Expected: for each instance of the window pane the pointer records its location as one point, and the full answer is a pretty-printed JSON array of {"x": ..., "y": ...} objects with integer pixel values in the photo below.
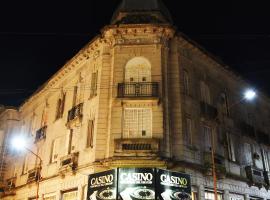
[
  {"x": 137, "y": 123},
  {"x": 70, "y": 195}
]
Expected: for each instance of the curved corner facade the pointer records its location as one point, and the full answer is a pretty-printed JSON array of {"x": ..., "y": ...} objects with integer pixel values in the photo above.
[{"x": 139, "y": 95}]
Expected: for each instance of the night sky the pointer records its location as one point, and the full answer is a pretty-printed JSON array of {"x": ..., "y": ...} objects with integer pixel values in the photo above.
[{"x": 39, "y": 37}]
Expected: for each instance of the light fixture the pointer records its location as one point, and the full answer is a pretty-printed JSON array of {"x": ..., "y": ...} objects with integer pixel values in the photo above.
[
  {"x": 249, "y": 94},
  {"x": 18, "y": 143}
]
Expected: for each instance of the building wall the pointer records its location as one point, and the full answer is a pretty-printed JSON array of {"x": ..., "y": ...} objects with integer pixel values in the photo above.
[{"x": 170, "y": 56}]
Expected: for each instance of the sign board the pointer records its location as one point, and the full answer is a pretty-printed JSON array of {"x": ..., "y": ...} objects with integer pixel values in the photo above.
[
  {"x": 139, "y": 184},
  {"x": 136, "y": 184},
  {"x": 173, "y": 185},
  {"x": 102, "y": 186}
]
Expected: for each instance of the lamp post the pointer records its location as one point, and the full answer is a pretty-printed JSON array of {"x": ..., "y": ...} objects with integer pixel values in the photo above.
[
  {"x": 19, "y": 143},
  {"x": 249, "y": 95}
]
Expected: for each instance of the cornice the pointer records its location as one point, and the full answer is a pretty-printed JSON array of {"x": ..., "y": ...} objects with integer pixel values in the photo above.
[
  {"x": 215, "y": 62},
  {"x": 90, "y": 51}
]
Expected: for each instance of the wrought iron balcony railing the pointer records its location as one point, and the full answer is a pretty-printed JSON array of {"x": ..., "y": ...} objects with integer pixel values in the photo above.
[
  {"x": 75, "y": 112},
  {"x": 143, "y": 89},
  {"x": 41, "y": 134}
]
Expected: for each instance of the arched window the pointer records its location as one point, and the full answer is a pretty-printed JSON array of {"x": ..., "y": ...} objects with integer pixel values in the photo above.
[{"x": 138, "y": 69}]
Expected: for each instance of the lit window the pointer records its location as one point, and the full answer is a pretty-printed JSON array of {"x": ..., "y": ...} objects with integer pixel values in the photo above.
[
  {"x": 209, "y": 195},
  {"x": 72, "y": 195},
  {"x": 137, "y": 122}
]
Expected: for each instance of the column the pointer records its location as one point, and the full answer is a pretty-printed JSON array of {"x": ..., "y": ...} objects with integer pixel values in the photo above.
[{"x": 201, "y": 192}]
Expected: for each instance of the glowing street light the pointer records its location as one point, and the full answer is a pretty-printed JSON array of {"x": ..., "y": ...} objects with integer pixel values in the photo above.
[
  {"x": 19, "y": 143},
  {"x": 250, "y": 94}
]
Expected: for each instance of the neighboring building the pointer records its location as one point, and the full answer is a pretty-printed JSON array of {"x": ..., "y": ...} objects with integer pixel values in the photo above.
[{"x": 140, "y": 95}]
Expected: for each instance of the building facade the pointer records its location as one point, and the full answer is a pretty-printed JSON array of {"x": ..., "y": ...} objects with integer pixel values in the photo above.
[{"x": 140, "y": 94}]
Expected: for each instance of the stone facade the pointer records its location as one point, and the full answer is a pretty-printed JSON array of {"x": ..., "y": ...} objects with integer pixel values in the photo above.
[{"x": 139, "y": 95}]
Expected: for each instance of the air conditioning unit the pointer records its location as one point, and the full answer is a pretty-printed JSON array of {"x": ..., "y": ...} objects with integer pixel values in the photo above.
[
  {"x": 33, "y": 175},
  {"x": 69, "y": 162},
  {"x": 255, "y": 176}
]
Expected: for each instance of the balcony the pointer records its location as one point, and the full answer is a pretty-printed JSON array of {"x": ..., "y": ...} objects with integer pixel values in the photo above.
[
  {"x": 134, "y": 90},
  {"x": 208, "y": 111},
  {"x": 247, "y": 130},
  {"x": 41, "y": 134},
  {"x": 69, "y": 162},
  {"x": 255, "y": 176},
  {"x": 75, "y": 114},
  {"x": 136, "y": 147},
  {"x": 219, "y": 165},
  {"x": 33, "y": 175}
]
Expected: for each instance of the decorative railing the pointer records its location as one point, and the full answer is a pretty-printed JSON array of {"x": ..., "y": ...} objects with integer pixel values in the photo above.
[
  {"x": 75, "y": 112},
  {"x": 69, "y": 162},
  {"x": 208, "y": 111},
  {"x": 136, "y": 145},
  {"x": 41, "y": 133},
  {"x": 255, "y": 176},
  {"x": 143, "y": 89},
  {"x": 33, "y": 175}
]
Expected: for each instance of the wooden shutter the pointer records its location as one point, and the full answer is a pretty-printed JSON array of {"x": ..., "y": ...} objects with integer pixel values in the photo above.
[{"x": 90, "y": 133}]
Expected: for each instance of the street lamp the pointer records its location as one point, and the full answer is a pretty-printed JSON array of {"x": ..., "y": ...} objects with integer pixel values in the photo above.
[
  {"x": 249, "y": 95},
  {"x": 19, "y": 143}
]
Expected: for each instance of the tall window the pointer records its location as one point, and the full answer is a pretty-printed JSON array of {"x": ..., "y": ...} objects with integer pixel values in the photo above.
[
  {"x": 248, "y": 153},
  {"x": 60, "y": 107},
  {"x": 205, "y": 93},
  {"x": 207, "y": 137},
  {"x": 138, "y": 69},
  {"x": 188, "y": 131},
  {"x": 137, "y": 123},
  {"x": 75, "y": 93},
  {"x": 25, "y": 165},
  {"x": 54, "y": 150},
  {"x": 225, "y": 103},
  {"x": 265, "y": 160},
  {"x": 231, "y": 148},
  {"x": 90, "y": 133},
  {"x": 94, "y": 81},
  {"x": 69, "y": 141},
  {"x": 186, "y": 82}
]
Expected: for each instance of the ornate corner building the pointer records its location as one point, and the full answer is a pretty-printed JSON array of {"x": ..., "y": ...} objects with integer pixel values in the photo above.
[{"x": 140, "y": 94}]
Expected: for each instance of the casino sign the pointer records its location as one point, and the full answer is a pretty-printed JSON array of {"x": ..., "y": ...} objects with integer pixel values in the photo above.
[{"x": 139, "y": 184}]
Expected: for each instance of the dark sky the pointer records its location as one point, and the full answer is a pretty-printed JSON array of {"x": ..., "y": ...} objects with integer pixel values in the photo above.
[{"x": 38, "y": 37}]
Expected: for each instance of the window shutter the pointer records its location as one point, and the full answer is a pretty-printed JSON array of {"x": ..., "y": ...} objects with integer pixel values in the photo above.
[
  {"x": 94, "y": 84},
  {"x": 90, "y": 133}
]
